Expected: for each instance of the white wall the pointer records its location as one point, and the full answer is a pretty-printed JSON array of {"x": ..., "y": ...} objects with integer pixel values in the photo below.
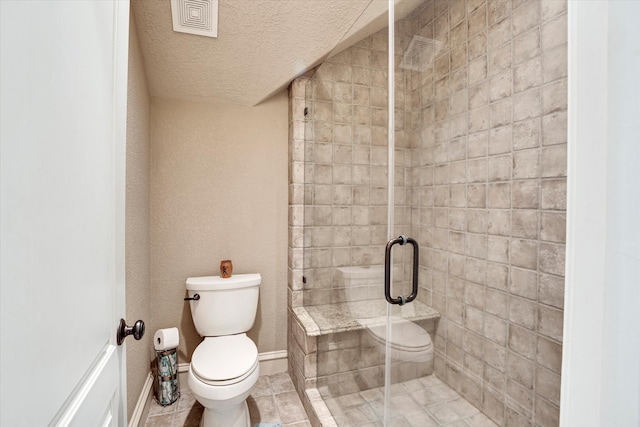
[{"x": 601, "y": 363}]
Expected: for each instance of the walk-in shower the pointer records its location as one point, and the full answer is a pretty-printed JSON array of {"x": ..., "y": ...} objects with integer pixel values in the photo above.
[{"x": 478, "y": 181}]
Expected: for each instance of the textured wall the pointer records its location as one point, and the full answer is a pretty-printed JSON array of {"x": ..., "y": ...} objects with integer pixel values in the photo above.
[
  {"x": 492, "y": 166},
  {"x": 137, "y": 219},
  {"x": 219, "y": 191}
]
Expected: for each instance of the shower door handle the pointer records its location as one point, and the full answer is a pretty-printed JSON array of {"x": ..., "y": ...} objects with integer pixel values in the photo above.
[{"x": 402, "y": 300}]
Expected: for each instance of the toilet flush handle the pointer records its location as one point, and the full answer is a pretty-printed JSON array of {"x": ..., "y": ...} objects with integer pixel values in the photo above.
[{"x": 195, "y": 297}]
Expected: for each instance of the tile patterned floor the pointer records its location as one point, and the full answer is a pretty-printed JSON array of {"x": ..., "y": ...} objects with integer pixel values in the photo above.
[
  {"x": 273, "y": 400},
  {"x": 423, "y": 402}
]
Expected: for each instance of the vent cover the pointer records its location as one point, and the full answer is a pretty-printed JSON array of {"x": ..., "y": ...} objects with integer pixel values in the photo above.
[
  {"x": 198, "y": 17},
  {"x": 420, "y": 53}
]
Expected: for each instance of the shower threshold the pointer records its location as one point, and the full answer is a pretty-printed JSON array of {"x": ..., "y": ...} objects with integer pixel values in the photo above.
[{"x": 421, "y": 402}]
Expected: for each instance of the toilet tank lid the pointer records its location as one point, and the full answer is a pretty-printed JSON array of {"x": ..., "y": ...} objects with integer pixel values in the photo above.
[{"x": 216, "y": 283}]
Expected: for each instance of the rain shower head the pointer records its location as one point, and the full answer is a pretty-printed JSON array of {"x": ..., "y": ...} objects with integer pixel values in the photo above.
[{"x": 420, "y": 53}]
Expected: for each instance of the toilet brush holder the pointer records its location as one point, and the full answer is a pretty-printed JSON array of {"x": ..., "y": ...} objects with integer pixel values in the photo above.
[{"x": 166, "y": 385}]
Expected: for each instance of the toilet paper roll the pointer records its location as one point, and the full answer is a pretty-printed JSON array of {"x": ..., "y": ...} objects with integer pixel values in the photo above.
[{"x": 165, "y": 339}]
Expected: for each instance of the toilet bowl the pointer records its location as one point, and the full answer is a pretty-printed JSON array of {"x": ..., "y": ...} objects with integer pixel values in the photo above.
[
  {"x": 222, "y": 372},
  {"x": 409, "y": 342},
  {"x": 224, "y": 367}
]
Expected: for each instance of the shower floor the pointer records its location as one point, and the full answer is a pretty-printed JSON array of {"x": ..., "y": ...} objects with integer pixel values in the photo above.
[{"x": 422, "y": 402}]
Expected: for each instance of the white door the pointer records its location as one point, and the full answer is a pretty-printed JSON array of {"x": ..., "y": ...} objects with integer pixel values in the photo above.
[{"x": 62, "y": 144}]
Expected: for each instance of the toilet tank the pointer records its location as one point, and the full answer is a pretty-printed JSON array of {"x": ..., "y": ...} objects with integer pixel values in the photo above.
[{"x": 226, "y": 306}]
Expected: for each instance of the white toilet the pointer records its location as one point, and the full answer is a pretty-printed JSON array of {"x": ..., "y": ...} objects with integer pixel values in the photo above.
[
  {"x": 409, "y": 341},
  {"x": 224, "y": 367}
]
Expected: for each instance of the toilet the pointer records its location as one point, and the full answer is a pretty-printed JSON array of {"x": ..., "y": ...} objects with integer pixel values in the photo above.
[
  {"x": 409, "y": 342},
  {"x": 224, "y": 367}
]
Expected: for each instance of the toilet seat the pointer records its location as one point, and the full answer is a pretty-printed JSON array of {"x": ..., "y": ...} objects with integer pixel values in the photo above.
[
  {"x": 225, "y": 360},
  {"x": 406, "y": 336}
]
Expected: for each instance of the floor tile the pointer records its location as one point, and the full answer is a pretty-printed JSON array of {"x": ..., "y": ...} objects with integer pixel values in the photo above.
[
  {"x": 165, "y": 420},
  {"x": 290, "y": 407},
  {"x": 281, "y": 383},
  {"x": 263, "y": 406},
  {"x": 262, "y": 409},
  {"x": 426, "y": 402}
]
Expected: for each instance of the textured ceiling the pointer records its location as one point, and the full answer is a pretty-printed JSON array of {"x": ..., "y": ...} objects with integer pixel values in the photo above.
[{"x": 262, "y": 45}]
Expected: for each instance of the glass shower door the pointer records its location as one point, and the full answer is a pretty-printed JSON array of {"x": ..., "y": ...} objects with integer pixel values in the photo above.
[{"x": 410, "y": 320}]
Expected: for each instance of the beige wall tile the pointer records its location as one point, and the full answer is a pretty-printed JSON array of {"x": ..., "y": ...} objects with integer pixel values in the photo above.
[
  {"x": 526, "y": 194},
  {"x": 546, "y": 413},
  {"x": 526, "y": 105},
  {"x": 549, "y": 354},
  {"x": 552, "y": 258},
  {"x": 522, "y": 341},
  {"x": 553, "y": 227},
  {"x": 500, "y": 86},
  {"x": 498, "y": 10},
  {"x": 520, "y": 370},
  {"x": 522, "y": 312},
  {"x": 525, "y": 164},
  {"x": 554, "y": 128},
  {"x": 519, "y": 397},
  {"x": 499, "y": 195},
  {"x": 548, "y": 385},
  {"x": 477, "y": 21},
  {"x": 477, "y": 198},
  {"x": 554, "y": 63},
  {"x": 499, "y": 222},
  {"x": 497, "y": 274},
  {"x": 495, "y": 329},
  {"x": 551, "y": 8},
  {"x": 554, "y": 32},
  {"x": 498, "y": 249},
  {"x": 524, "y": 283},
  {"x": 551, "y": 290},
  {"x": 526, "y": 134},
  {"x": 554, "y": 97},
  {"x": 500, "y": 113},
  {"x": 554, "y": 194},
  {"x": 499, "y": 168},
  {"x": 476, "y": 219},
  {"x": 550, "y": 322},
  {"x": 554, "y": 161},
  {"x": 477, "y": 47},
  {"x": 526, "y": 46},
  {"x": 526, "y": 17},
  {"x": 524, "y": 223},
  {"x": 524, "y": 253},
  {"x": 528, "y": 74}
]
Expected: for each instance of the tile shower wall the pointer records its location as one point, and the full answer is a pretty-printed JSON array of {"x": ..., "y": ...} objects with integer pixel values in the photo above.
[
  {"x": 345, "y": 170},
  {"x": 482, "y": 168},
  {"x": 489, "y": 182}
]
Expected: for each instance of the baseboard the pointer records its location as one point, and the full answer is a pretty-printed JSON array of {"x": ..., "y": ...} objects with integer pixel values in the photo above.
[
  {"x": 141, "y": 405},
  {"x": 271, "y": 362}
]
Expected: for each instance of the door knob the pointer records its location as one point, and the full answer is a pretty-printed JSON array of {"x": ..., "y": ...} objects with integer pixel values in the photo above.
[{"x": 137, "y": 330}]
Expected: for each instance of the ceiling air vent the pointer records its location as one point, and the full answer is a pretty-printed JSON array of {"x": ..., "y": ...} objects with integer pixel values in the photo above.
[{"x": 198, "y": 17}]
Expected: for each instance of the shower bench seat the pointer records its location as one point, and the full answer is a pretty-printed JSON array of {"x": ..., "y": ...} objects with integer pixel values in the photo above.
[
  {"x": 332, "y": 352},
  {"x": 326, "y": 319}
]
